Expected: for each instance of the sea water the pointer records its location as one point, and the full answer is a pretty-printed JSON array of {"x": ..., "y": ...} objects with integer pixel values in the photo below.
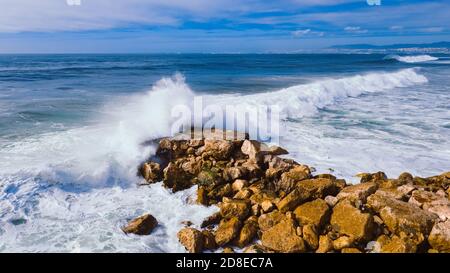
[{"x": 73, "y": 128}]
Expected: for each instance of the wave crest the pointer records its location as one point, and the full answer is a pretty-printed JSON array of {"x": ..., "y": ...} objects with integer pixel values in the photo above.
[{"x": 412, "y": 59}]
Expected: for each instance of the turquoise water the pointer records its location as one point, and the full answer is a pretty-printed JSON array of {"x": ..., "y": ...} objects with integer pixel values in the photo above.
[{"x": 71, "y": 129}]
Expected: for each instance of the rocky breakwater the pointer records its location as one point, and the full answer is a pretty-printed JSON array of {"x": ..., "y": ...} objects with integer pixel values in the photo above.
[{"x": 273, "y": 204}]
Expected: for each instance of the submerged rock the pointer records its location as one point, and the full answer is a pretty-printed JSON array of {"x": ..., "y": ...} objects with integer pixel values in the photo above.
[{"x": 142, "y": 225}]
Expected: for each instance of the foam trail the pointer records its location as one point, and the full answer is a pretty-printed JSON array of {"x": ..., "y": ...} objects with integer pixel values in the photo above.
[
  {"x": 412, "y": 59},
  {"x": 306, "y": 99}
]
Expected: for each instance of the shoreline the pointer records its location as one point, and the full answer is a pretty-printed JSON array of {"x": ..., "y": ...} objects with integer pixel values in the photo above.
[{"x": 272, "y": 204}]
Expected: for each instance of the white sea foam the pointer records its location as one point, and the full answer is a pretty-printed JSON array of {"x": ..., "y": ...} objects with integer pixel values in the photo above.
[
  {"x": 75, "y": 188},
  {"x": 412, "y": 59}
]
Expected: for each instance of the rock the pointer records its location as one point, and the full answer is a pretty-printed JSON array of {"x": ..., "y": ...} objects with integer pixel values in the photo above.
[
  {"x": 211, "y": 220},
  {"x": 290, "y": 179},
  {"x": 406, "y": 177},
  {"x": 254, "y": 149},
  {"x": 228, "y": 250},
  {"x": 209, "y": 241},
  {"x": 256, "y": 210},
  {"x": 293, "y": 199},
  {"x": 358, "y": 192},
  {"x": 176, "y": 178},
  {"x": 219, "y": 192},
  {"x": 315, "y": 212},
  {"x": 400, "y": 216},
  {"x": 239, "y": 184},
  {"x": 276, "y": 150},
  {"x": 311, "y": 236},
  {"x": 262, "y": 196},
  {"x": 331, "y": 200},
  {"x": 192, "y": 165},
  {"x": 235, "y": 208},
  {"x": 142, "y": 225},
  {"x": 267, "y": 206},
  {"x": 397, "y": 245},
  {"x": 191, "y": 239},
  {"x": 348, "y": 220},
  {"x": 151, "y": 172},
  {"x": 426, "y": 199},
  {"x": 257, "y": 248},
  {"x": 253, "y": 169},
  {"x": 342, "y": 242},
  {"x": 202, "y": 198},
  {"x": 209, "y": 179},
  {"x": 248, "y": 232},
  {"x": 268, "y": 220},
  {"x": 228, "y": 230},
  {"x": 186, "y": 223},
  {"x": 243, "y": 194},
  {"x": 283, "y": 238},
  {"x": 439, "y": 237},
  {"x": 350, "y": 250},
  {"x": 319, "y": 188},
  {"x": 218, "y": 149},
  {"x": 325, "y": 244},
  {"x": 233, "y": 173}
]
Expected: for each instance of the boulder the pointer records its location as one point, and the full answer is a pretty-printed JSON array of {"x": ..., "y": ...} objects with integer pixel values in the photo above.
[
  {"x": 290, "y": 179},
  {"x": 228, "y": 230},
  {"x": 233, "y": 173},
  {"x": 209, "y": 241},
  {"x": 257, "y": 248},
  {"x": 211, "y": 220},
  {"x": 293, "y": 199},
  {"x": 254, "y": 149},
  {"x": 268, "y": 220},
  {"x": 228, "y": 250},
  {"x": 342, "y": 242},
  {"x": 331, "y": 200},
  {"x": 358, "y": 192},
  {"x": 283, "y": 238},
  {"x": 319, "y": 188},
  {"x": 400, "y": 216},
  {"x": 151, "y": 172},
  {"x": 191, "y": 239},
  {"x": 311, "y": 237},
  {"x": 239, "y": 184},
  {"x": 218, "y": 149},
  {"x": 209, "y": 178},
  {"x": 202, "y": 198},
  {"x": 235, "y": 208},
  {"x": 325, "y": 244},
  {"x": 142, "y": 225},
  {"x": 248, "y": 232},
  {"x": 398, "y": 245},
  {"x": 176, "y": 178},
  {"x": 243, "y": 194},
  {"x": 350, "y": 221},
  {"x": 315, "y": 212},
  {"x": 439, "y": 237},
  {"x": 350, "y": 250}
]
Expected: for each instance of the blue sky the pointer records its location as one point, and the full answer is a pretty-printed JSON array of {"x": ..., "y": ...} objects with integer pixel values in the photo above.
[{"x": 62, "y": 26}]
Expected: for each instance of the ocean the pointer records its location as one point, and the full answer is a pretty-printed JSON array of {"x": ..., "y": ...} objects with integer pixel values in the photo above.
[{"x": 72, "y": 129}]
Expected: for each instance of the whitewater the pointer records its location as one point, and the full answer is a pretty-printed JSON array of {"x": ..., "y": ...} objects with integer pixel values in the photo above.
[{"x": 71, "y": 190}]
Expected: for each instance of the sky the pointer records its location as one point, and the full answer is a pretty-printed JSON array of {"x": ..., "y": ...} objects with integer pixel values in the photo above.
[{"x": 215, "y": 26}]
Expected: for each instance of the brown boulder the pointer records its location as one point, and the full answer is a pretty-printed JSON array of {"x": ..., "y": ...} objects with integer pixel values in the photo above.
[
  {"x": 358, "y": 192},
  {"x": 439, "y": 237},
  {"x": 257, "y": 248},
  {"x": 209, "y": 241},
  {"x": 268, "y": 220},
  {"x": 293, "y": 199},
  {"x": 325, "y": 244},
  {"x": 248, "y": 232},
  {"x": 233, "y": 173},
  {"x": 211, "y": 220},
  {"x": 235, "y": 208},
  {"x": 290, "y": 179},
  {"x": 348, "y": 220},
  {"x": 239, "y": 184},
  {"x": 319, "y": 188},
  {"x": 350, "y": 250},
  {"x": 400, "y": 216},
  {"x": 228, "y": 230},
  {"x": 315, "y": 212},
  {"x": 311, "y": 237},
  {"x": 151, "y": 172},
  {"x": 191, "y": 239},
  {"x": 218, "y": 149},
  {"x": 283, "y": 238},
  {"x": 142, "y": 225},
  {"x": 342, "y": 242},
  {"x": 398, "y": 245},
  {"x": 176, "y": 178}
]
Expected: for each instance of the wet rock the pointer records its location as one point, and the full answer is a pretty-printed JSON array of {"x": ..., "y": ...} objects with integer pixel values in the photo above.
[
  {"x": 202, "y": 198},
  {"x": 358, "y": 192},
  {"x": 151, "y": 172},
  {"x": 142, "y": 225},
  {"x": 268, "y": 220},
  {"x": 290, "y": 179},
  {"x": 400, "y": 216},
  {"x": 310, "y": 236},
  {"x": 315, "y": 212},
  {"x": 211, "y": 220},
  {"x": 325, "y": 244},
  {"x": 209, "y": 241},
  {"x": 176, "y": 178},
  {"x": 348, "y": 220},
  {"x": 248, "y": 232},
  {"x": 439, "y": 237},
  {"x": 228, "y": 230},
  {"x": 283, "y": 238},
  {"x": 191, "y": 239},
  {"x": 235, "y": 208}
]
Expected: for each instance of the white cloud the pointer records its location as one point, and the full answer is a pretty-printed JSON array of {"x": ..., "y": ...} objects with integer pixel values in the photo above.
[
  {"x": 357, "y": 30},
  {"x": 307, "y": 32}
]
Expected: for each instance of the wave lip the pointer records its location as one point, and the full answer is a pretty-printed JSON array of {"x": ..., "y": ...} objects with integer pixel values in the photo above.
[
  {"x": 412, "y": 59},
  {"x": 306, "y": 99}
]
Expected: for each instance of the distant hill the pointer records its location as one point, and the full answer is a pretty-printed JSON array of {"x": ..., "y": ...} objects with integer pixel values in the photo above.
[{"x": 393, "y": 46}]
